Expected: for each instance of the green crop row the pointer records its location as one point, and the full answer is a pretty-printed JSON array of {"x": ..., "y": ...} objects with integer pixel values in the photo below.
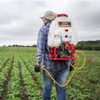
[{"x": 85, "y": 84}]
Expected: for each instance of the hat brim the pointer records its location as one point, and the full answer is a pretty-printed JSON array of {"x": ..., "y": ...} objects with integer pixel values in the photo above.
[{"x": 43, "y": 17}]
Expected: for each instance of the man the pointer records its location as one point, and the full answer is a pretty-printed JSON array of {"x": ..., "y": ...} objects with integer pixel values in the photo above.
[{"x": 59, "y": 70}]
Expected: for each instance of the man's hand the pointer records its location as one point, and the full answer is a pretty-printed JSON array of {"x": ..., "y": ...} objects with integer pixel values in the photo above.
[{"x": 37, "y": 68}]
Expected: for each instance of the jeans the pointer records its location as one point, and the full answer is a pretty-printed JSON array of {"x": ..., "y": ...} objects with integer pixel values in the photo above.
[{"x": 60, "y": 77}]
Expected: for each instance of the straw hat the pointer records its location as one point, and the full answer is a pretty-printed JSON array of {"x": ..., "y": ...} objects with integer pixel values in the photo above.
[{"x": 50, "y": 15}]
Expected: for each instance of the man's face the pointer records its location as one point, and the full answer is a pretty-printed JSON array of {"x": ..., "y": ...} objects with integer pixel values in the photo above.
[{"x": 45, "y": 21}]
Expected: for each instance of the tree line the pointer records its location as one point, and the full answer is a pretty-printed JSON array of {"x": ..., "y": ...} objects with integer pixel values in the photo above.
[
  {"x": 82, "y": 45},
  {"x": 89, "y": 45}
]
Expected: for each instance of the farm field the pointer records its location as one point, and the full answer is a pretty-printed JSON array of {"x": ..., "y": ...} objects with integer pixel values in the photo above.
[{"x": 18, "y": 81}]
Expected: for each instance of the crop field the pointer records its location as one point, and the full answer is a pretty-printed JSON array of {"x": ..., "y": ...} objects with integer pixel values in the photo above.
[{"x": 18, "y": 81}]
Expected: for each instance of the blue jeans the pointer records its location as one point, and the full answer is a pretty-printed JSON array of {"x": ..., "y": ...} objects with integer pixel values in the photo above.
[{"x": 60, "y": 77}]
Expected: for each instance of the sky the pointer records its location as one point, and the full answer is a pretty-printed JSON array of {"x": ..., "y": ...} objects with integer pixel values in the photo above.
[{"x": 20, "y": 19}]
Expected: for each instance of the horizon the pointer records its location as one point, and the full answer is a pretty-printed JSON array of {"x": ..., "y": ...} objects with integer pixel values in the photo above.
[{"x": 36, "y": 44}]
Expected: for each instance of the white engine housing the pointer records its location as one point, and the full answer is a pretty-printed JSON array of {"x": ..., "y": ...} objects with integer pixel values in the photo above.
[{"x": 57, "y": 34}]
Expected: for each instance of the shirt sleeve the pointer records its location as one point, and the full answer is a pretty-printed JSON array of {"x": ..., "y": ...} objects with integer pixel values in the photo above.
[{"x": 41, "y": 42}]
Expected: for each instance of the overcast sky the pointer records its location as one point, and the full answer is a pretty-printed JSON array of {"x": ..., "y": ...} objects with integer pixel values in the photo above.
[{"x": 20, "y": 19}]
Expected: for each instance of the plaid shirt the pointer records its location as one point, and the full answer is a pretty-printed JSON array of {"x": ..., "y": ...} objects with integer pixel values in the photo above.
[{"x": 42, "y": 43}]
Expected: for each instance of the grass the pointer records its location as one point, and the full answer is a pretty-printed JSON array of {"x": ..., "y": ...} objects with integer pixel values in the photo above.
[{"x": 18, "y": 81}]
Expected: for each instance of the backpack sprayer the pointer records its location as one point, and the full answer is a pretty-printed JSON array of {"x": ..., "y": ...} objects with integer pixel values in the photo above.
[{"x": 61, "y": 45}]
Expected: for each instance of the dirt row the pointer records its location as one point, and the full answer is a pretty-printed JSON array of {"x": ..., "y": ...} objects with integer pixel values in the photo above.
[{"x": 23, "y": 90}]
